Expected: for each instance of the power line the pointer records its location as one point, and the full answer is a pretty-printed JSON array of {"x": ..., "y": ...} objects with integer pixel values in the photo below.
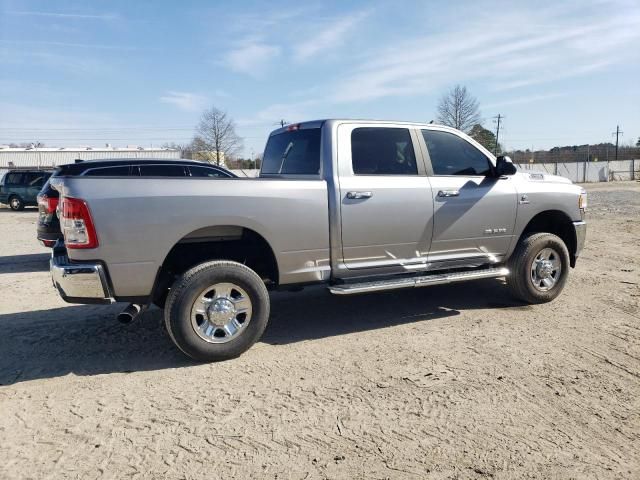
[
  {"x": 495, "y": 150},
  {"x": 617, "y": 133}
]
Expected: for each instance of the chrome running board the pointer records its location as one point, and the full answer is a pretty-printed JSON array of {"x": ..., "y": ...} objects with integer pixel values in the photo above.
[{"x": 421, "y": 281}]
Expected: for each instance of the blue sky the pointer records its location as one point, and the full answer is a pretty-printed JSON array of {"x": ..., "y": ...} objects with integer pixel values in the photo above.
[{"x": 141, "y": 72}]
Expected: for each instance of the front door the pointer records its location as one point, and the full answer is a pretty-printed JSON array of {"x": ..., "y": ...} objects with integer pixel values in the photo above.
[
  {"x": 385, "y": 199},
  {"x": 474, "y": 211}
]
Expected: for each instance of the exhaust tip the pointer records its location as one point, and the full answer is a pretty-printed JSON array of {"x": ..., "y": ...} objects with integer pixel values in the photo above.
[{"x": 129, "y": 314}]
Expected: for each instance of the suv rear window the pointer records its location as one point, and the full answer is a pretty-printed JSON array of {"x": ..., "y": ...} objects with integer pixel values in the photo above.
[{"x": 296, "y": 152}]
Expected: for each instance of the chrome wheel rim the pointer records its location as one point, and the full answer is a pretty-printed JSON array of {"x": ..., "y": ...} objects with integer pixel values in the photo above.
[
  {"x": 221, "y": 312},
  {"x": 15, "y": 203},
  {"x": 546, "y": 268}
]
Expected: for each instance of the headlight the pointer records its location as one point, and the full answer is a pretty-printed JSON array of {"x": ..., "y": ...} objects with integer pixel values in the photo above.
[{"x": 582, "y": 200}]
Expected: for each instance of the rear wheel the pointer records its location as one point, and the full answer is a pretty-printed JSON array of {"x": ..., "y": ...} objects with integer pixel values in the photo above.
[
  {"x": 217, "y": 310},
  {"x": 16, "y": 203},
  {"x": 538, "y": 268}
]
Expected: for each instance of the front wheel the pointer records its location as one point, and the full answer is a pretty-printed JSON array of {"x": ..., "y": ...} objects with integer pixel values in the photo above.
[
  {"x": 539, "y": 268},
  {"x": 16, "y": 203},
  {"x": 217, "y": 310}
]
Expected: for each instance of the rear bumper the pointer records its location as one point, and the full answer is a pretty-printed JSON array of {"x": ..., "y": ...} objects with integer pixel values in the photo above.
[
  {"x": 79, "y": 282},
  {"x": 581, "y": 235}
]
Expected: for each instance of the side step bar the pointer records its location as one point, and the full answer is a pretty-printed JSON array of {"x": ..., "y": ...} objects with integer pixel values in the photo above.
[{"x": 422, "y": 281}]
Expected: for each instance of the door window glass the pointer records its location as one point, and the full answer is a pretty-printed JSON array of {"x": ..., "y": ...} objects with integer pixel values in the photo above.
[
  {"x": 37, "y": 179},
  {"x": 207, "y": 172},
  {"x": 382, "y": 151},
  {"x": 452, "y": 155},
  {"x": 162, "y": 171},
  {"x": 120, "y": 171}
]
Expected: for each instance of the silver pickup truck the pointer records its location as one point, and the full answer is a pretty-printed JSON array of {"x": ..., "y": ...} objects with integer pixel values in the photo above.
[{"x": 359, "y": 206}]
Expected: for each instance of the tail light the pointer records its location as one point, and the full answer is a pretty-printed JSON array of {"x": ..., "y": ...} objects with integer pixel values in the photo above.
[
  {"x": 77, "y": 224},
  {"x": 48, "y": 203}
]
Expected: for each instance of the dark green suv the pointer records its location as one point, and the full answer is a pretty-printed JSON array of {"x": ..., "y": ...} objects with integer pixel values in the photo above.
[{"x": 19, "y": 188}]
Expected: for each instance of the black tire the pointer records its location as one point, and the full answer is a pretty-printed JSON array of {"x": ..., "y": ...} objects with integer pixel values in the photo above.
[
  {"x": 520, "y": 281},
  {"x": 184, "y": 293},
  {"x": 16, "y": 203}
]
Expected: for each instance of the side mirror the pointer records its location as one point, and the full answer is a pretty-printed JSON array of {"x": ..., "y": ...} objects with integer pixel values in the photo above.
[{"x": 504, "y": 166}]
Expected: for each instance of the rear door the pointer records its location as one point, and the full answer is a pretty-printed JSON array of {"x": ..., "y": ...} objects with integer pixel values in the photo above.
[
  {"x": 474, "y": 212},
  {"x": 385, "y": 198}
]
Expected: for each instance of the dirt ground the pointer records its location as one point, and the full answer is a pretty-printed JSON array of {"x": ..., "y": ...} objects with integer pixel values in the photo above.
[{"x": 440, "y": 382}]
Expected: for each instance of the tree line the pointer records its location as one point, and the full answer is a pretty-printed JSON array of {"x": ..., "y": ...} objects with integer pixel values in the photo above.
[{"x": 459, "y": 109}]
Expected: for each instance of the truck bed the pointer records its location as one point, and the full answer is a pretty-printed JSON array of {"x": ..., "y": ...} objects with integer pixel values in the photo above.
[{"x": 139, "y": 220}]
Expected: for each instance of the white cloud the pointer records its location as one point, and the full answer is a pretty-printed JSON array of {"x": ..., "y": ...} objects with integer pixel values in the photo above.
[
  {"x": 252, "y": 58},
  {"x": 78, "y": 16},
  {"x": 523, "y": 100},
  {"x": 329, "y": 37},
  {"x": 186, "y": 101},
  {"x": 548, "y": 45},
  {"x": 70, "y": 64},
  {"x": 289, "y": 112}
]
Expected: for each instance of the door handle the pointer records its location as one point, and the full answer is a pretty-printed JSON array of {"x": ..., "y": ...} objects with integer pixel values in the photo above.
[
  {"x": 359, "y": 195},
  {"x": 449, "y": 193}
]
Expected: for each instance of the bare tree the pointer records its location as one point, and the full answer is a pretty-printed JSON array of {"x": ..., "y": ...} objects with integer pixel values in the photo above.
[
  {"x": 458, "y": 109},
  {"x": 216, "y": 136},
  {"x": 185, "y": 149}
]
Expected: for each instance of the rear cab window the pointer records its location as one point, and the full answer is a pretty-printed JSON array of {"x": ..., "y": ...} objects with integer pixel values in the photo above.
[
  {"x": 382, "y": 151},
  {"x": 293, "y": 152}
]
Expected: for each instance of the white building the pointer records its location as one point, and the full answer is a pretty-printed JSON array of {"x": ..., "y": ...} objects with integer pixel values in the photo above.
[{"x": 51, "y": 157}]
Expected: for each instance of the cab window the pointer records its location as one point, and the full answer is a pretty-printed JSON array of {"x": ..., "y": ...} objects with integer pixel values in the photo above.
[
  {"x": 452, "y": 155},
  {"x": 382, "y": 151}
]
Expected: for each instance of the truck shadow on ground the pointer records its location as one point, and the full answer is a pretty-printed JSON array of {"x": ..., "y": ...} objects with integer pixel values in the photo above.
[
  {"x": 33, "y": 262},
  {"x": 86, "y": 340}
]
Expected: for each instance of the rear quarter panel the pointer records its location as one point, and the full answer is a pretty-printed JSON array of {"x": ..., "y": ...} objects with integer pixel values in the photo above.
[{"x": 139, "y": 220}]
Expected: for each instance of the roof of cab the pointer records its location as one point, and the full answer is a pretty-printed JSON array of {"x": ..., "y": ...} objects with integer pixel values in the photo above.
[{"x": 321, "y": 122}]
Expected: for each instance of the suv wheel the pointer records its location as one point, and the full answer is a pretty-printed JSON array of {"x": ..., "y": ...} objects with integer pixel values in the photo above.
[
  {"x": 217, "y": 310},
  {"x": 538, "y": 268},
  {"x": 16, "y": 203}
]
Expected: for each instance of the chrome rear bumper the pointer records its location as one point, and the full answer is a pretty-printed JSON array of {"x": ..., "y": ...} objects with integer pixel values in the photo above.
[{"x": 79, "y": 282}]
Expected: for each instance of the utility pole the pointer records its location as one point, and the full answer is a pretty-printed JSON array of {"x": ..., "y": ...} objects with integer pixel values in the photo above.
[
  {"x": 617, "y": 133},
  {"x": 495, "y": 150}
]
